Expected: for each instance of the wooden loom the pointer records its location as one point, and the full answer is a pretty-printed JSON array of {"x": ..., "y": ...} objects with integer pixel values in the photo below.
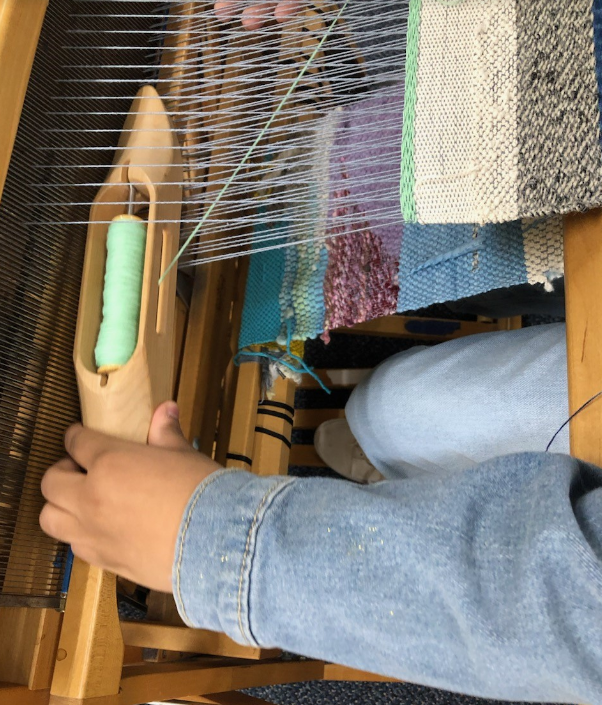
[{"x": 80, "y": 656}]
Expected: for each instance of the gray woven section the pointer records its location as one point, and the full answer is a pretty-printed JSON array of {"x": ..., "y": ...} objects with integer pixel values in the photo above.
[{"x": 560, "y": 161}]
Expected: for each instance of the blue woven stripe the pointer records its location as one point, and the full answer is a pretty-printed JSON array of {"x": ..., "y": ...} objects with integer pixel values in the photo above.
[{"x": 442, "y": 263}]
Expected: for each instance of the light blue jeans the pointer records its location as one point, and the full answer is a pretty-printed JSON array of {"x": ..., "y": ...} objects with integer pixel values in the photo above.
[
  {"x": 449, "y": 407},
  {"x": 479, "y": 578}
]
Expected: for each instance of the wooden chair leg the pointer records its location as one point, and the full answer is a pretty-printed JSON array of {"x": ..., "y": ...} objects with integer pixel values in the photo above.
[
  {"x": 583, "y": 283},
  {"x": 195, "y": 641},
  {"x": 188, "y": 681},
  {"x": 332, "y": 672}
]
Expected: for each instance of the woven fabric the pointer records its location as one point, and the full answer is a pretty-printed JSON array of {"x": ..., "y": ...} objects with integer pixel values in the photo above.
[
  {"x": 447, "y": 161},
  {"x": 361, "y": 280},
  {"x": 560, "y": 156},
  {"x": 311, "y": 258},
  {"x": 543, "y": 242},
  {"x": 262, "y": 316},
  {"x": 483, "y": 128},
  {"x": 443, "y": 263},
  {"x": 408, "y": 172},
  {"x": 366, "y": 152},
  {"x": 284, "y": 297},
  {"x": 496, "y": 126},
  {"x": 308, "y": 290},
  {"x": 597, "y": 9},
  {"x": 506, "y": 115},
  {"x": 344, "y": 267}
]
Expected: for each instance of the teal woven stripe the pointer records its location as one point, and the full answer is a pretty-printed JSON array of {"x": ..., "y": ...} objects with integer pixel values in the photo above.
[
  {"x": 408, "y": 172},
  {"x": 262, "y": 317}
]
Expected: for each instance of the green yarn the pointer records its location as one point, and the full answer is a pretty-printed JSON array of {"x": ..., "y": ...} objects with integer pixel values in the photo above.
[
  {"x": 408, "y": 166},
  {"x": 408, "y": 171},
  {"x": 118, "y": 335}
]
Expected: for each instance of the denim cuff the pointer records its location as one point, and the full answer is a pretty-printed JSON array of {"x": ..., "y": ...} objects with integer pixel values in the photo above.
[{"x": 215, "y": 550}]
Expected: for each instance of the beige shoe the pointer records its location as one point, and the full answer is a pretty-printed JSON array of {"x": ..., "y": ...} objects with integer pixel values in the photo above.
[{"x": 337, "y": 447}]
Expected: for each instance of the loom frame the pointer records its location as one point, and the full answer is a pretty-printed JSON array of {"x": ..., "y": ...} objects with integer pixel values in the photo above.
[{"x": 29, "y": 638}]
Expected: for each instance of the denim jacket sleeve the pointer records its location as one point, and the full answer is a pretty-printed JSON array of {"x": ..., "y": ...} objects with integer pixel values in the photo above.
[{"x": 488, "y": 582}]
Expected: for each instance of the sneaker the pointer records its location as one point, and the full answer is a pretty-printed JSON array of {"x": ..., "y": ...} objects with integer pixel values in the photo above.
[{"x": 337, "y": 447}]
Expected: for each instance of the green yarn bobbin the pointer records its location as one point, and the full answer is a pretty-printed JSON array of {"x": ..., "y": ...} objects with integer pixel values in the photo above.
[{"x": 118, "y": 335}]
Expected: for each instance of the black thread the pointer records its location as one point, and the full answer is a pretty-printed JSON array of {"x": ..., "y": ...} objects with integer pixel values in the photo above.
[
  {"x": 275, "y": 414},
  {"x": 273, "y": 434},
  {"x": 568, "y": 421},
  {"x": 241, "y": 458},
  {"x": 278, "y": 405}
]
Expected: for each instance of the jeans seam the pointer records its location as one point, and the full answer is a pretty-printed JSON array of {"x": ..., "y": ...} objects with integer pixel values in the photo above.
[
  {"x": 199, "y": 493},
  {"x": 279, "y": 485}
]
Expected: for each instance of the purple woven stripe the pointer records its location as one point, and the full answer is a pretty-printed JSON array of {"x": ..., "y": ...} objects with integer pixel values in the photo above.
[
  {"x": 368, "y": 141},
  {"x": 361, "y": 281}
]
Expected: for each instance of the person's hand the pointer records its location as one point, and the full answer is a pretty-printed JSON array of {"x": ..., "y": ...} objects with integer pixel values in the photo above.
[
  {"x": 257, "y": 13},
  {"x": 125, "y": 513}
]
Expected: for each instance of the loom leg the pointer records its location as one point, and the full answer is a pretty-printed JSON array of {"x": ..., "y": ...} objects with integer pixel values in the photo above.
[{"x": 90, "y": 654}]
